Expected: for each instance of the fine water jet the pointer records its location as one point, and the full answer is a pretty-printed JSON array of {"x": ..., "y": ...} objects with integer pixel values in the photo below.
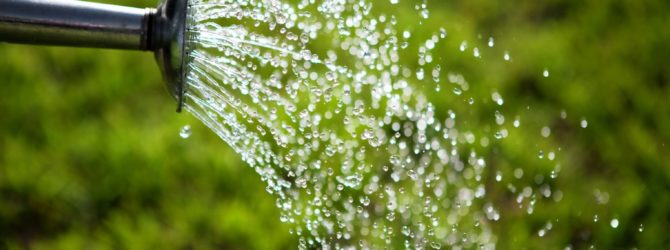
[
  {"x": 85, "y": 24},
  {"x": 330, "y": 102}
]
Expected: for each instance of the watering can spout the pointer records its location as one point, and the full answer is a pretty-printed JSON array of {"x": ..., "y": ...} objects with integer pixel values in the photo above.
[{"x": 96, "y": 25}]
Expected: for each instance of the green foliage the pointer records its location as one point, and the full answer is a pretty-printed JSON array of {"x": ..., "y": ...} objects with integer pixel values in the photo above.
[{"x": 90, "y": 156}]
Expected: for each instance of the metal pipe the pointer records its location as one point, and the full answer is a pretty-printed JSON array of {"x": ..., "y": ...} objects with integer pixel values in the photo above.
[
  {"x": 85, "y": 24},
  {"x": 74, "y": 23}
]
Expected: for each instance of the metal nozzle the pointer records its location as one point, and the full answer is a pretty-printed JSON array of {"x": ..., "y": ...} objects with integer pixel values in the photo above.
[
  {"x": 85, "y": 24},
  {"x": 166, "y": 39}
]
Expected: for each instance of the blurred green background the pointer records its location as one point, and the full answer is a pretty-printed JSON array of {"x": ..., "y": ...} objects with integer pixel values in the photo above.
[{"x": 91, "y": 158}]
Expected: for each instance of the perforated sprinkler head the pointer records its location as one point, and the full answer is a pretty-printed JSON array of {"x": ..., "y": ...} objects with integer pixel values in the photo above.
[{"x": 168, "y": 44}]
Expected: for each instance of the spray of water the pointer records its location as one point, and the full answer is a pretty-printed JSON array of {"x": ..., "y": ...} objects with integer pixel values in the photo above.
[{"x": 326, "y": 101}]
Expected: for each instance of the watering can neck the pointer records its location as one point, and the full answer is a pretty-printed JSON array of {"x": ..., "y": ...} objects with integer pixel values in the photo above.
[{"x": 75, "y": 23}]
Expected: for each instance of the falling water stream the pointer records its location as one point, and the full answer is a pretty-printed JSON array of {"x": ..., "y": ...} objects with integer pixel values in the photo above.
[{"x": 327, "y": 101}]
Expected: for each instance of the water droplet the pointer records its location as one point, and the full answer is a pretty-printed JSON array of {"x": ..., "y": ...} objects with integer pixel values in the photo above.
[
  {"x": 614, "y": 223},
  {"x": 412, "y": 174},
  {"x": 545, "y": 73},
  {"x": 424, "y": 13},
  {"x": 518, "y": 173},
  {"x": 390, "y": 216},
  {"x": 419, "y": 74},
  {"x": 500, "y": 119},
  {"x": 584, "y": 123},
  {"x": 497, "y": 98},
  {"x": 185, "y": 132},
  {"x": 443, "y": 33},
  {"x": 546, "y": 131},
  {"x": 463, "y": 46}
]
